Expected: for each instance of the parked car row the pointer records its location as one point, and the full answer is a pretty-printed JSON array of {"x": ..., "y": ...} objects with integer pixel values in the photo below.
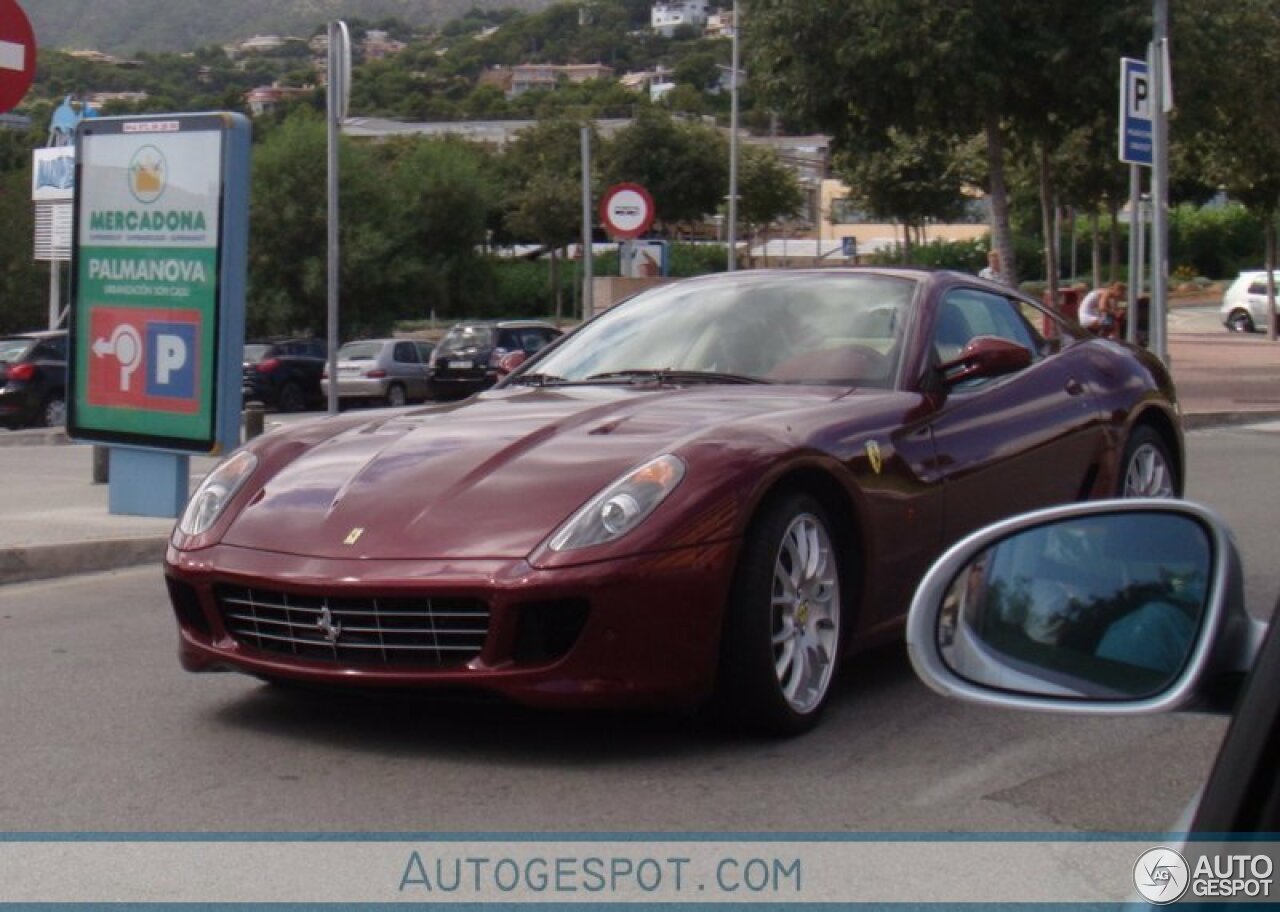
[{"x": 292, "y": 374}]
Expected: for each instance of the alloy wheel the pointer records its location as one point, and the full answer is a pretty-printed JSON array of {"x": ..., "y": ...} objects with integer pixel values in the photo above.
[{"x": 806, "y": 613}]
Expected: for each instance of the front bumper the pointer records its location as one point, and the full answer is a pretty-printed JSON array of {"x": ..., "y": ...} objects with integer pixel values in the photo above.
[{"x": 649, "y": 635}]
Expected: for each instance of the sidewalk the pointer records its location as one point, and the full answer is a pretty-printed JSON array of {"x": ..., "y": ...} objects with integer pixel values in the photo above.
[{"x": 54, "y": 520}]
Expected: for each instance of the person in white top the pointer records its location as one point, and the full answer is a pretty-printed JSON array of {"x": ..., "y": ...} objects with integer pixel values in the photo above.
[
  {"x": 1099, "y": 309},
  {"x": 992, "y": 269}
]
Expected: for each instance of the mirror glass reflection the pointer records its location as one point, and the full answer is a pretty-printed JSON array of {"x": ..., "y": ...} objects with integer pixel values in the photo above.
[{"x": 1102, "y": 606}]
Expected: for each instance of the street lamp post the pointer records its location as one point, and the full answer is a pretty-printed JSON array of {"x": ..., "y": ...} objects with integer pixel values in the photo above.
[{"x": 733, "y": 147}]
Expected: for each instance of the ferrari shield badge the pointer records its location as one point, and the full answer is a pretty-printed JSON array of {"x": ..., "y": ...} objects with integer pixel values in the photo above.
[{"x": 874, "y": 457}]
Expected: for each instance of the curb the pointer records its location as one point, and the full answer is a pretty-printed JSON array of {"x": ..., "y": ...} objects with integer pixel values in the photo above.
[
  {"x": 36, "y": 562},
  {"x": 35, "y": 437},
  {"x": 1202, "y": 420}
]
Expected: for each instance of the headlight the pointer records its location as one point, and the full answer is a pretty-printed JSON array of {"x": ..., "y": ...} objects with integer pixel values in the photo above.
[
  {"x": 622, "y": 506},
  {"x": 215, "y": 492}
]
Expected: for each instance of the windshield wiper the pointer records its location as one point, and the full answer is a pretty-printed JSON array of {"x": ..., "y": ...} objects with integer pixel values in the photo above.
[
  {"x": 675, "y": 377},
  {"x": 535, "y": 379}
]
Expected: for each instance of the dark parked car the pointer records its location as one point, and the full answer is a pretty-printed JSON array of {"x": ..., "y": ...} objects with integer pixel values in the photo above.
[
  {"x": 469, "y": 357},
  {"x": 1159, "y": 625},
  {"x": 284, "y": 373},
  {"x": 33, "y": 379},
  {"x": 710, "y": 492}
]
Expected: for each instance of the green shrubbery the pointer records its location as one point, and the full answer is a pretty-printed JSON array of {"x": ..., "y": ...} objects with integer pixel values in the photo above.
[{"x": 1210, "y": 242}]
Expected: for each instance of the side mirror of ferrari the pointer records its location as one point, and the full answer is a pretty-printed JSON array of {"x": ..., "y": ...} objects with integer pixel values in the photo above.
[
  {"x": 1114, "y": 607},
  {"x": 986, "y": 356}
]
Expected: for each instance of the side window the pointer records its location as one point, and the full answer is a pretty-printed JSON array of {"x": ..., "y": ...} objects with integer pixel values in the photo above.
[
  {"x": 534, "y": 340},
  {"x": 508, "y": 340},
  {"x": 405, "y": 353},
  {"x": 967, "y": 313},
  {"x": 45, "y": 351},
  {"x": 424, "y": 351}
]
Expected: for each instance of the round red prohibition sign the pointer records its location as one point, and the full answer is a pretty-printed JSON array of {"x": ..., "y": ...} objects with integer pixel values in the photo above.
[
  {"x": 17, "y": 54},
  {"x": 626, "y": 210}
]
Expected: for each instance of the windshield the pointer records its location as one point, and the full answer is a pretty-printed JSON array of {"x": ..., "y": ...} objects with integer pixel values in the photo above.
[
  {"x": 359, "y": 351},
  {"x": 466, "y": 338},
  {"x": 802, "y": 328},
  {"x": 254, "y": 352},
  {"x": 14, "y": 349}
]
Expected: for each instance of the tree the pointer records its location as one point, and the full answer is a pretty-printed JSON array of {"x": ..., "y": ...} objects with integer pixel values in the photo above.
[
  {"x": 1228, "y": 51},
  {"x": 767, "y": 188},
  {"x": 995, "y": 67},
  {"x": 445, "y": 192},
  {"x": 684, "y": 166},
  {"x": 906, "y": 178},
  {"x": 543, "y": 169},
  {"x": 288, "y": 288}
]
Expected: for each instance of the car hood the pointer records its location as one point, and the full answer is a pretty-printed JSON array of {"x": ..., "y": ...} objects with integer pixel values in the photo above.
[{"x": 488, "y": 478}]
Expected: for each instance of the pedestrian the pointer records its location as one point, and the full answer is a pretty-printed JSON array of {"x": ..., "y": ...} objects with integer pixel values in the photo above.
[
  {"x": 1099, "y": 309},
  {"x": 992, "y": 270}
]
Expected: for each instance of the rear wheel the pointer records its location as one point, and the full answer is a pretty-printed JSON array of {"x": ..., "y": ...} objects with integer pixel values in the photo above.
[
  {"x": 395, "y": 395},
  {"x": 783, "y": 628},
  {"x": 1147, "y": 469},
  {"x": 1240, "y": 321},
  {"x": 55, "y": 411}
]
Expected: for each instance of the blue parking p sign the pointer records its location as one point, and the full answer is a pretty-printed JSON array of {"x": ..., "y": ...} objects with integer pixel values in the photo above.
[{"x": 1136, "y": 112}]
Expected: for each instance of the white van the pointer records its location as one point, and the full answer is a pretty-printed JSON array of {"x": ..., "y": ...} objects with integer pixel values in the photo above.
[{"x": 1244, "y": 306}]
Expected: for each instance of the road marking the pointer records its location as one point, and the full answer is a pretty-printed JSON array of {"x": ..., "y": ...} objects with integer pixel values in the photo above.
[{"x": 13, "y": 56}]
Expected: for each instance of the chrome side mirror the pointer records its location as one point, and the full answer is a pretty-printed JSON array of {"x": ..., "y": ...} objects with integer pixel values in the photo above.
[{"x": 1125, "y": 606}]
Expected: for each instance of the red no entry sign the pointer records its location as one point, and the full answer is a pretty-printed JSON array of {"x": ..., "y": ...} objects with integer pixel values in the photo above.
[
  {"x": 17, "y": 54},
  {"x": 626, "y": 210}
]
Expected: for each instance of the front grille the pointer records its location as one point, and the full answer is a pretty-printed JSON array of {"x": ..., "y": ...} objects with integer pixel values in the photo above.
[{"x": 421, "y": 632}]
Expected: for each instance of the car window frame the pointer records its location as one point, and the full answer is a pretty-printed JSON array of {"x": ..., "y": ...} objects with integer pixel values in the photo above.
[
  {"x": 1031, "y": 339},
  {"x": 1242, "y": 793}
]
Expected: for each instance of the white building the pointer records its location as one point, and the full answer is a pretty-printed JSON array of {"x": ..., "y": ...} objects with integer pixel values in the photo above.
[{"x": 668, "y": 15}]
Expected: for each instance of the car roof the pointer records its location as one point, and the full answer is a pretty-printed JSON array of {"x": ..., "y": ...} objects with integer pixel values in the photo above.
[{"x": 505, "y": 324}]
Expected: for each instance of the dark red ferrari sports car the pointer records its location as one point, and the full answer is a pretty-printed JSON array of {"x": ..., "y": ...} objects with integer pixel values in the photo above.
[{"x": 706, "y": 495}]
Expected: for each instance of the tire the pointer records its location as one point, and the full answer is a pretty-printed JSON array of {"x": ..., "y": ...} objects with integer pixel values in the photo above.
[
  {"x": 396, "y": 396},
  {"x": 54, "y": 413},
  {"x": 1239, "y": 321},
  {"x": 1147, "y": 469},
  {"x": 782, "y": 637},
  {"x": 292, "y": 398}
]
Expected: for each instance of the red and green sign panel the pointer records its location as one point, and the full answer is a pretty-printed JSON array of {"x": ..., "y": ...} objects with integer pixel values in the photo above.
[{"x": 145, "y": 316}]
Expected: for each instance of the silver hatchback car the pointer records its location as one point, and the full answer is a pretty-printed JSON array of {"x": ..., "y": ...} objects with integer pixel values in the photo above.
[{"x": 391, "y": 371}]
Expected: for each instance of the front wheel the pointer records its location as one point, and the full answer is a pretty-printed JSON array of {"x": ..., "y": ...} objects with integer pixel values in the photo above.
[
  {"x": 783, "y": 629},
  {"x": 292, "y": 398},
  {"x": 395, "y": 395},
  {"x": 1147, "y": 469}
]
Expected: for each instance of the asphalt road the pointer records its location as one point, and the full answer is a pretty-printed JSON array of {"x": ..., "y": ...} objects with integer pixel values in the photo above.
[{"x": 103, "y": 732}]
